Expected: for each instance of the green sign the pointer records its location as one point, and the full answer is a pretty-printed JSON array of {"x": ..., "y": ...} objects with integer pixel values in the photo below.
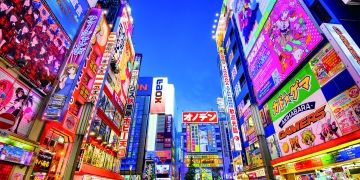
[{"x": 297, "y": 89}]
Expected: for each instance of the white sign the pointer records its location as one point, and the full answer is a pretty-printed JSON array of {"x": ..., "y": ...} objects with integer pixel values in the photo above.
[
  {"x": 158, "y": 95},
  {"x": 230, "y": 105},
  {"x": 345, "y": 47}
]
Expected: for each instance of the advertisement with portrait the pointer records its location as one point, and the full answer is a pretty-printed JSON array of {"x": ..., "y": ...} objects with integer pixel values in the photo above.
[
  {"x": 158, "y": 95},
  {"x": 33, "y": 41},
  {"x": 273, "y": 146},
  {"x": 203, "y": 138},
  {"x": 229, "y": 101},
  {"x": 326, "y": 64},
  {"x": 292, "y": 35},
  {"x": 60, "y": 99},
  {"x": 345, "y": 46},
  {"x": 250, "y": 16},
  {"x": 199, "y": 117},
  {"x": 312, "y": 123},
  {"x": 18, "y": 103},
  {"x": 70, "y": 14},
  {"x": 346, "y": 108},
  {"x": 265, "y": 115}
]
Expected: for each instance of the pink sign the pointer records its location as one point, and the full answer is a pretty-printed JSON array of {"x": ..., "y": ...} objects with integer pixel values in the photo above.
[{"x": 287, "y": 38}]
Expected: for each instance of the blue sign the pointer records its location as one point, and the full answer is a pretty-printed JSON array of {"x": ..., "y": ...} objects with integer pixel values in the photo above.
[
  {"x": 70, "y": 14},
  {"x": 144, "y": 86}
]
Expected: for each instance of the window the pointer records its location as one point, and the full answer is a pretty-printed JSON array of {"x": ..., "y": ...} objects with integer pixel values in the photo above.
[
  {"x": 320, "y": 12},
  {"x": 238, "y": 62},
  {"x": 234, "y": 48}
]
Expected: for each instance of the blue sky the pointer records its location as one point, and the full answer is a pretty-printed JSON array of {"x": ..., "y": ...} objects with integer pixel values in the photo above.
[{"x": 175, "y": 40}]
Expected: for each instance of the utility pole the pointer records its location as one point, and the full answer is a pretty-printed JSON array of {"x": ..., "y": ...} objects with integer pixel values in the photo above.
[{"x": 80, "y": 133}]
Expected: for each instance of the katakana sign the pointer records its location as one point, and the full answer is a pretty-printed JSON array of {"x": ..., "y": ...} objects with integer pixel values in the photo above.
[{"x": 200, "y": 117}]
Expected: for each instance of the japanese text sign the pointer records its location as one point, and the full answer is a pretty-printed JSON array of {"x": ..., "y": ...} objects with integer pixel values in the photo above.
[{"x": 200, "y": 117}]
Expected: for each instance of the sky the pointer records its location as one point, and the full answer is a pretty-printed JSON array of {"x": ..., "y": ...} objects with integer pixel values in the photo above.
[{"x": 175, "y": 40}]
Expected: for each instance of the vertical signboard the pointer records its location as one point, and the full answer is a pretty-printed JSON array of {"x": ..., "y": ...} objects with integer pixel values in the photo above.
[
  {"x": 168, "y": 130},
  {"x": 129, "y": 107},
  {"x": 250, "y": 18},
  {"x": 144, "y": 86},
  {"x": 158, "y": 95},
  {"x": 59, "y": 101},
  {"x": 151, "y": 133},
  {"x": 230, "y": 104},
  {"x": 345, "y": 46},
  {"x": 288, "y": 37}
]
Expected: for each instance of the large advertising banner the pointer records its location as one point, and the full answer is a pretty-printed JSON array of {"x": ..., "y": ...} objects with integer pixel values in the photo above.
[
  {"x": 346, "y": 108},
  {"x": 32, "y": 40},
  {"x": 158, "y": 95},
  {"x": 326, "y": 64},
  {"x": 18, "y": 103},
  {"x": 348, "y": 50},
  {"x": 59, "y": 101},
  {"x": 229, "y": 101},
  {"x": 300, "y": 114},
  {"x": 287, "y": 38},
  {"x": 250, "y": 16},
  {"x": 70, "y": 14},
  {"x": 200, "y": 117}
]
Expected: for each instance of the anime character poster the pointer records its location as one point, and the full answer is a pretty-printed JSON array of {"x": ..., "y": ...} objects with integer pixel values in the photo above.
[
  {"x": 346, "y": 108},
  {"x": 60, "y": 99},
  {"x": 273, "y": 146},
  {"x": 203, "y": 138},
  {"x": 31, "y": 39},
  {"x": 250, "y": 16},
  {"x": 307, "y": 125},
  {"x": 17, "y": 100},
  {"x": 326, "y": 64},
  {"x": 287, "y": 37}
]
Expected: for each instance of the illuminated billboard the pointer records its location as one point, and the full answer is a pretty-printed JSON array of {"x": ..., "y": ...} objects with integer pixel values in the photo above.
[
  {"x": 204, "y": 160},
  {"x": 229, "y": 101},
  {"x": 250, "y": 18},
  {"x": 32, "y": 40},
  {"x": 70, "y": 14},
  {"x": 201, "y": 138},
  {"x": 300, "y": 114},
  {"x": 288, "y": 37},
  {"x": 200, "y": 117},
  {"x": 158, "y": 95},
  {"x": 343, "y": 44},
  {"x": 346, "y": 109},
  {"x": 18, "y": 103},
  {"x": 60, "y": 99}
]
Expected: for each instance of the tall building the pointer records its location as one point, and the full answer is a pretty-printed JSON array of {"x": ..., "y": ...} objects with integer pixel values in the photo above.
[
  {"x": 158, "y": 151},
  {"x": 228, "y": 168},
  {"x": 70, "y": 112},
  {"x": 202, "y": 143},
  {"x": 133, "y": 164},
  {"x": 290, "y": 67}
]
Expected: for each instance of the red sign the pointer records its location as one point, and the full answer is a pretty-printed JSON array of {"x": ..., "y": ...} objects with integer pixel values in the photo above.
[
  {"x": 7, "y": 120},
  {"x": 200, "y": 117}
]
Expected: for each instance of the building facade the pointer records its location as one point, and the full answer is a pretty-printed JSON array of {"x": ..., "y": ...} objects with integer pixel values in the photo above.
[{"x": 289, "y": 60}]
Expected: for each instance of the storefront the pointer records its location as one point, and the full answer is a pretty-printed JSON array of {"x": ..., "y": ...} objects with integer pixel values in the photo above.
[
  {"x": 15, "y": 154},
  {"x": 55, "y": 147}
]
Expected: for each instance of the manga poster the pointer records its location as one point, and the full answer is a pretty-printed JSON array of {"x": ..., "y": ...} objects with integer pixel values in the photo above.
[
  {"x": 346, "y": 108},
  {"x": 250, "y": 16},
  {"x": 287, "y": 38},
  {"x": 31, "y": 39},
  {"x": 19, "y": 102}
]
